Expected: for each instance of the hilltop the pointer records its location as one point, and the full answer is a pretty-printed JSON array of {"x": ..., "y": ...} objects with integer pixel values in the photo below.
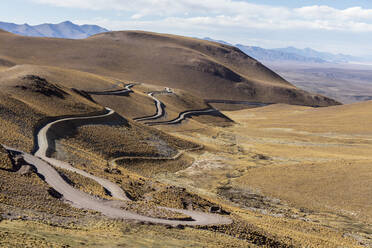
[{"x": 206, "y": 69}]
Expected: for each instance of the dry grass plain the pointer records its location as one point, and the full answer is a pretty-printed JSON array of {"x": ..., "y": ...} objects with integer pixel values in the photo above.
[
  {"x": 321, "y": 158},
  {"x": 105, "y": 233},
  {"x": 346, "y": 83},
  {"x": 291, "y": 162}
]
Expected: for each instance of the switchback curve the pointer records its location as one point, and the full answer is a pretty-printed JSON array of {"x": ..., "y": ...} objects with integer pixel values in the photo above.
[
  {"x": 160, "y": 107},
  {"x": 188, "y": 114},
  {"x": 82, "y": 200}
]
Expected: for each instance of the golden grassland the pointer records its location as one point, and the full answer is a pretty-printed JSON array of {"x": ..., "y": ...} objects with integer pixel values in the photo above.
[
  {"x": 65, "y": 77},
  {"x": 116, "y": 234},
  {"x": 30, "y": 193},
  {"x": 297, "y": 232},
  {"x": 133, "y": 106},
  {"x": 257, "y": 169},
  {"x": 320, "y": 157},
  {"x": 46, "y": 97},
  {"x": 133, "y": 140},
  {"x": 135, "y": 185},
  {"x": 149, "y": 208},
  {"x": 83, "y": 183},
  {"x": 137, "y": 182},
  {"x": 150, "y": 168},
  {"x": 5, "y": 162},
  {"x": 294, "y": 163},
  {"x": 17, "y": 120},
  {"x": 3, "y": 68},
  {"x": 110, "y": 234},
  {"x": 247, "y": 228},
  {"x": 240, "y": 234},
  {"x": 26, "y": 99},
  {"x": 266, "y": 231}
]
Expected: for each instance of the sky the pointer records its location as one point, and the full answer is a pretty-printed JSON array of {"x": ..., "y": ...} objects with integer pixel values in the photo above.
[{"x": 337, "y": 26}]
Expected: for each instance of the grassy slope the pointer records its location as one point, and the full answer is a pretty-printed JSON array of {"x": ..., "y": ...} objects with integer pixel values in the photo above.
[
  {"x": 318, "y": 159},
  {"x": 341, "y": 135},
  {"x": 31, "y": 106},
  {"x": 26, "y": 100},
  {"x": 208, "y": 69},
  {"x": 138, "y": 104},
  {"x": 109, "y": 234},
  {"x": 5, "y": 162}
]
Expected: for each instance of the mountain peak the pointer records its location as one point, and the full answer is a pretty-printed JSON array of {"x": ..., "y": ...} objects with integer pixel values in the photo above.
[
  {"x": 66, "y": 29},
  {"x": 68, "y": 23}
]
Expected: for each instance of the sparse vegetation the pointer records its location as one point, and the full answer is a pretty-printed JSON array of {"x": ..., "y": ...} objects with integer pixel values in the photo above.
[
  {"x": 269, "y": 172},
  {"x": 84, "y": 184},
  {"x": 149, "y": 208},
  {"x": 31, "y": 193},
  {"x": 5, "y": 162},
  {"x": 102, "y": 233},
  {"x": 150, "y": 168},
  {"x": 127, "y": 141}
]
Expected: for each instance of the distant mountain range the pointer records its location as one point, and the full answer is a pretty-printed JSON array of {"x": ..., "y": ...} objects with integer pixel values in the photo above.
[
  {"x": 311, "y": 53},
  {"x": 292, "y": 54},
  {"x": 273, "y": 55},
  {"x": 69, "y": 30},
  {"x": 66, "y": 30}
]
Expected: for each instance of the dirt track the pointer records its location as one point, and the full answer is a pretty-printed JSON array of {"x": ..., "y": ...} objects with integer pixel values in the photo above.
[
  {"x": 184, "y": 115},
  {"x": 82, "y": 200},
  {"x": 160, "y": 107}
]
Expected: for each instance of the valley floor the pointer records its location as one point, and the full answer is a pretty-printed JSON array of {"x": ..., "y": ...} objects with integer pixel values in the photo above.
[{"x": 291, "y": 162}]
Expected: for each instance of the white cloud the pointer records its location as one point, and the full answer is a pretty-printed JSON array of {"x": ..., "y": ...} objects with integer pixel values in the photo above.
[{"x": 228, "y": 13}]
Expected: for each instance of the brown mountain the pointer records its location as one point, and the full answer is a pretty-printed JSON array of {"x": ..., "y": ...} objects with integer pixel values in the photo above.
[{"x": 206, "y": 69}]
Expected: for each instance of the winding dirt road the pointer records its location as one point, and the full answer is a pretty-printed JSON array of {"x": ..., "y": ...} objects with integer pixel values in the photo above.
[
  {"x": 184, "y": 115},
  {"x": 80, "y": 199},
  {"x": 160, "y": 107},
  {"x": 160, "y": 110},
  {"x": 107, "y": 207},
  {"x": 42, "y": 141},
  {"x": 115, "y": 191}
]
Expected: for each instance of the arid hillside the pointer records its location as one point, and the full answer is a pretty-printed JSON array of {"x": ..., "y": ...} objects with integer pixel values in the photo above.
[
  {"x": 206, "y": 69},
  {"x": 110, "y": 141},
  {"x": 188, "y": 166}
]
